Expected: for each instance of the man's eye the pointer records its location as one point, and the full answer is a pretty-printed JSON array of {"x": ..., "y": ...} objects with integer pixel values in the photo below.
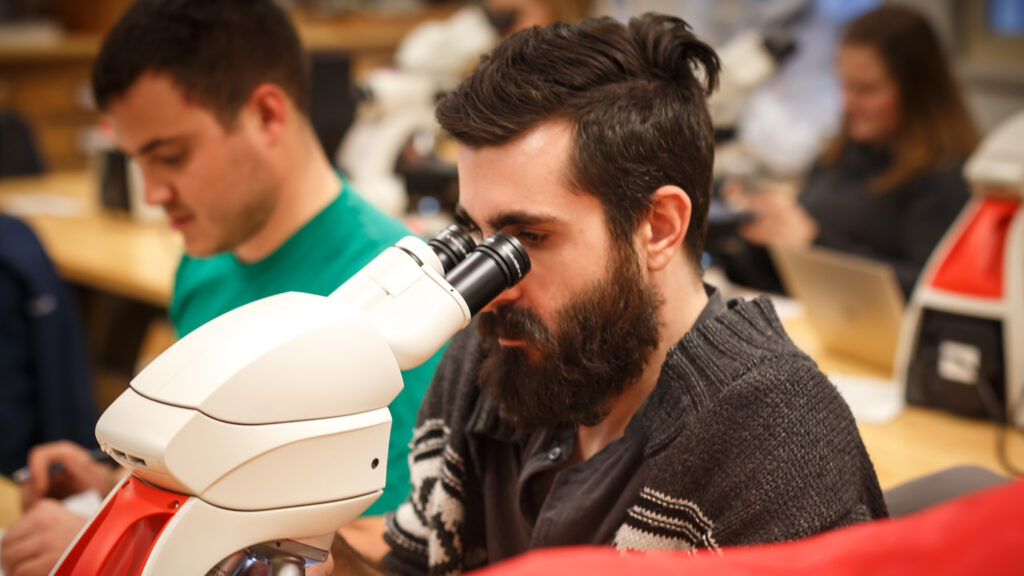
[
  {"x": 466, "y": 224},
  {"x": 172, "y": 160},
  {"x": 528, "y": 237}
]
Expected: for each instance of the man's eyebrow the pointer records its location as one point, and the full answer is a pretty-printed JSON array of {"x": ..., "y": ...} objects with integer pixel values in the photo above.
[
  {"x": 521, "y": 218},
  {"x": 462, "y": 218},
  {"x": 504, "y": 219}
]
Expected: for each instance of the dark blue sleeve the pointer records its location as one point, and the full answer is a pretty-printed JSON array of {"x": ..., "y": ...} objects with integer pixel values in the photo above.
[
  {"x": 18, "y": 423},
  {"x": 57, "y": 401}
]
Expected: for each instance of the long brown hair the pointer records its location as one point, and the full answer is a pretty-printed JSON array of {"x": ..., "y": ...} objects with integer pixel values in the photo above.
[{"x": 935, "y": 127}]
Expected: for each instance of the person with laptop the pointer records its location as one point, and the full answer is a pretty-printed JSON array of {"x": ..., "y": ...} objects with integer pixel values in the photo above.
[{"x": 890, "y": 185}]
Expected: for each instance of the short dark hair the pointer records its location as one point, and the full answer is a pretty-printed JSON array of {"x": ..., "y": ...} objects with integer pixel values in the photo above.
[
  {"x": 635, "y": 96},
  {"x": 216, "y": 51}
]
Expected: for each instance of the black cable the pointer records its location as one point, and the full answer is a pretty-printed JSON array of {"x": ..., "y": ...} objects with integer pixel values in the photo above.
[{"x": 995, "y": 412}]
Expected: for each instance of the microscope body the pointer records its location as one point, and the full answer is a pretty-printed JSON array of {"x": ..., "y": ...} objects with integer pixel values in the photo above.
[{"x": 267, "y": 426}]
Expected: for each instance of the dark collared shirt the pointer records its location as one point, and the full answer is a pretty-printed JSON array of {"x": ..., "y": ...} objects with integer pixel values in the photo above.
[{"x": 532, "y": 500}]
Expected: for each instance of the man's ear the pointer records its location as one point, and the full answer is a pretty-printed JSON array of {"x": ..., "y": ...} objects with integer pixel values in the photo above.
[
  {"x": 269, "y": 103},
  {"x": 665, "y": 226}
]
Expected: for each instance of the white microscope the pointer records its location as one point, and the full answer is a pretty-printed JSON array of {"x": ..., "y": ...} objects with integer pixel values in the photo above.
[
  {"x": 265, "y": 430},
  {"x": 963, "y": 332}
]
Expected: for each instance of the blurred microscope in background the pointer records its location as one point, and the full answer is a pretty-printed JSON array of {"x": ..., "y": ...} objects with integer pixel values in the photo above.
[
  {"x": 391, "y": 152},
  {"x": 397, "y": 158},
  {"x": 394, "y": 153}
]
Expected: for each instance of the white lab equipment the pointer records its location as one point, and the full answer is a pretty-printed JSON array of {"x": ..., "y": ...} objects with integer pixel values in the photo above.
[{"x": 262, "y": 432}]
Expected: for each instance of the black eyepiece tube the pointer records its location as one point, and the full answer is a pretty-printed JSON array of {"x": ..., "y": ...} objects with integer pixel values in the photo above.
[
  {"x": 498, "y": 263},
  {"x": 452, "y": 245}
]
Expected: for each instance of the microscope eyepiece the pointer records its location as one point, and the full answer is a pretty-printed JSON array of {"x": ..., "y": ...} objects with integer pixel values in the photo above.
[
  {"x": 498, "y": 263},
  {"x": 452, "y": 245}
]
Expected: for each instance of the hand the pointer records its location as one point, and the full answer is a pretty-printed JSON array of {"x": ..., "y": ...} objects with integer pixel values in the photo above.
[
  {"x": 80, "y": 473},
  {"x": 32, "y": 545},
  {"x": 778, "y": 219},
  {"x": 344, "y": 559},
  {"x": 366, "y": 536},
  {"x": 734, "y": 193}
]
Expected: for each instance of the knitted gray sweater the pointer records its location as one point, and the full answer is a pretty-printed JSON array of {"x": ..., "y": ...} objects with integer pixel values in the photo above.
[{"x": 748, "y": 442}]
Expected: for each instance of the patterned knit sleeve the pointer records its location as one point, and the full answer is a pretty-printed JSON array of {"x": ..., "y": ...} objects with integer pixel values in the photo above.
[
  {"x": 408, "y": 528},
  {"x": 423, "y": 532}
]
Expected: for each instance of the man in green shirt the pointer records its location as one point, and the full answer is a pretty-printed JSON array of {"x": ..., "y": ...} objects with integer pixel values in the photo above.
[{"x": 211, "y": 100}]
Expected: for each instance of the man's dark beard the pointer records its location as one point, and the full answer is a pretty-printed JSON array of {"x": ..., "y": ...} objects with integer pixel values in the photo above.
[{"x": 602, "y": 340}]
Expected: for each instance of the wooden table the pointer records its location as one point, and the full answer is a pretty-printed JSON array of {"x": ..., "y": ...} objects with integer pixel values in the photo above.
[
  {"x": 10, "y": 502},
  {"x": 91, "y": 246}
]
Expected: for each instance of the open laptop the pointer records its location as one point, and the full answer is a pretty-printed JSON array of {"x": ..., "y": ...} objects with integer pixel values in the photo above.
[{"x": 854, "y": 304}]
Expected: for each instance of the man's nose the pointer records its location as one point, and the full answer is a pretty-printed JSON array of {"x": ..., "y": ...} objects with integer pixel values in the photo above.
[{"x": 158, "y": 192}]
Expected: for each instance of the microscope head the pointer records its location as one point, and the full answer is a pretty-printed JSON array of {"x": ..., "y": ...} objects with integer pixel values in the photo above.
[
  {"x": 997, "y": 166},
  {"x": 269, "y": 424}
]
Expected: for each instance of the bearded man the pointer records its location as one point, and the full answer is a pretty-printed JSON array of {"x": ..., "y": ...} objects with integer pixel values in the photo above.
[{"x": 611, "y": 397}]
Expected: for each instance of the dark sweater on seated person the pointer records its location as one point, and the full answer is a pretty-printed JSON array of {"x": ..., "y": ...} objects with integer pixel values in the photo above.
[
  {"x": 743, "y": 440},
  {"x": 900, "y": 227}
]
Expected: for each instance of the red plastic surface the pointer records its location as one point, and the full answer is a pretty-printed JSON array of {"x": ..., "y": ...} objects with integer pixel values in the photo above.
[
  {"x": 120, "y": 538},
  {"x": 974, "y": 265}
]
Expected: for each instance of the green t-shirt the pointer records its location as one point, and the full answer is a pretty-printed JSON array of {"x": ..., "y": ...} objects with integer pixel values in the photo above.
[{"x": 333, "y": 246}]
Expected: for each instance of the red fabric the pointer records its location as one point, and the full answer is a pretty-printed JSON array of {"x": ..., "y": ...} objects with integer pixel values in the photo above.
[
  {"x": 978, "y": 534},
  {"x": 974, "y": 265}
]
